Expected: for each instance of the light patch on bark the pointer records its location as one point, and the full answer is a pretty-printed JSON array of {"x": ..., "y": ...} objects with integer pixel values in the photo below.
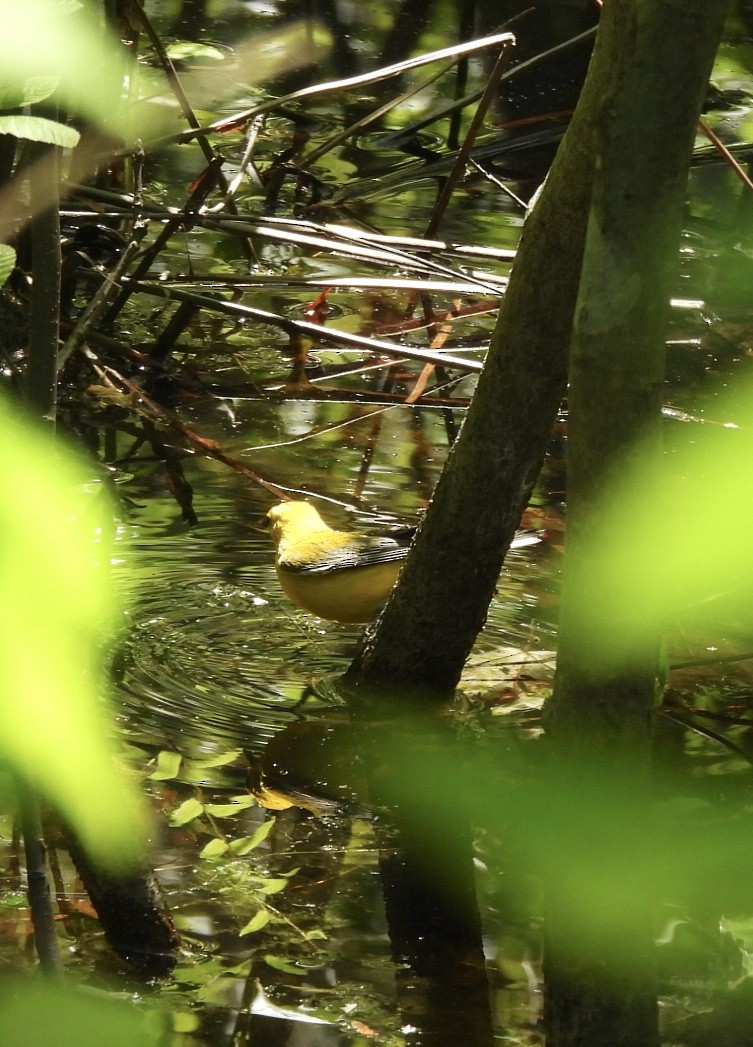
[{"x": 610, "y": 289}]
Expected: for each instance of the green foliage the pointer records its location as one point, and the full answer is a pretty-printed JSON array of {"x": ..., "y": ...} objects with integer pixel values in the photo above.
[
  {"x": 51, "y": 45},
  {"x": 45, "y": 39},
  {"x": 56, "y": 612}
]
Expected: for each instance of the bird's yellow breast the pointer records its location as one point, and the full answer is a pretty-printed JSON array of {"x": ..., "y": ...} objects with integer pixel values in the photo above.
[{"x": 352, "y": 594}]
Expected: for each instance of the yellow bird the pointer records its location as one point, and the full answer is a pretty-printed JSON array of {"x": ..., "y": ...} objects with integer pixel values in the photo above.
[{"x": 342, "y": 576}]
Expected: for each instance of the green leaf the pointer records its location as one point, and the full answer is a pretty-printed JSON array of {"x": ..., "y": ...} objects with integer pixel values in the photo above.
[
  {"x": 168, "y": 766},
  {"x": 274, "y": 885},
  {"x": 315, "y": 935},
  {"x": 39, "y": 129},
  {"x": 183, "y": 49},
  {"x": 248, "y": 843},
  {"x": 218, "y": 761},
  {"x": 226, "y": 810},
  {"x": 187, "y": 811},
  {"x": 256, "y": 923},
  {"x": 34, "y": 89},
  {"x": 7, "y": 262},
  {"x": 184, "y": 1021},
  {"x": 57, "y": 611},
  {"x": 214, "y": 849},
  {"x": 282, "y": 965}
]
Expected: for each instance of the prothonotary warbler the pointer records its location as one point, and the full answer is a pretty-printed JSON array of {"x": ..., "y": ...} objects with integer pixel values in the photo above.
[{"x": 343, "y": 576}]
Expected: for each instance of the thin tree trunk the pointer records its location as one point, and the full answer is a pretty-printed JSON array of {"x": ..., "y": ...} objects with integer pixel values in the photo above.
[
  {"x": 44, "y": 325},
  {"x": 598, "y": 970},
  {"x": 38, "y": 884}
]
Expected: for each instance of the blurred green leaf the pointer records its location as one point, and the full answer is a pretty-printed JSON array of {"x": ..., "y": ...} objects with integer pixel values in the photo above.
[
  {"x": 38, "y": 129},
  {"x": 30, "y": 92},
  {"x": 273, "y": 885},
  {"x": 168, "y": 766},
  {"x": 227, "y": 810},
  {"x": 673, "y": 534},
  {"x": 217, "y": 761},
  {"x": 256, "y": 923},
  {"x": 214, "y": 849},
  {"x": 56, "y": 612},
  {"x": 182, "y": 49},
  {"x": 187, "y": 811},
  {"x": 248, "y": 843},
  {"x": 35, "y": 1015},
  {"x": 282, "y": 965}
]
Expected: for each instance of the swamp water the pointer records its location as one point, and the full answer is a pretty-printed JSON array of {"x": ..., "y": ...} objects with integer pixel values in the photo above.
[{"x": 214, "y": 662}]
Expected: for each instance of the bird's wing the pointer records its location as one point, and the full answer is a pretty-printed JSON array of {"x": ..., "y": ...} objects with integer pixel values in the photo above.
[{"x": 337, "y": 551}]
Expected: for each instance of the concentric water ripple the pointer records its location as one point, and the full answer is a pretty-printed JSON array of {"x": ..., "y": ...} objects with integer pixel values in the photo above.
[{"x": 214, "y": 656}]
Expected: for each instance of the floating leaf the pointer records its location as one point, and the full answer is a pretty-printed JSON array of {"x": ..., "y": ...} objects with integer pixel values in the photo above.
[
  {"x": 185, "y": 1021},
  {"x": 183, "y": 49},
  {"x": 226, "y": 810},
  {"x": 274, "y": 885},
  {"x": 257, "y": 922},
  {"x": 248, "y": 843},
  {"x": 39, "y": 129},
  {"x": 214, "y": 849},
  {"x": 282, "y": 965},
  {"x": 221, "y": 760},
  {"x": 187, "y": 811},
  {"x": 168, "y": 765}
]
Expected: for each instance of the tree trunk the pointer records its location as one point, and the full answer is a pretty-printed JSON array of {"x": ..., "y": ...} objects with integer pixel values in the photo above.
[
  {"x": 599, "y": 985},
  {"x": 440, "y": 602}
]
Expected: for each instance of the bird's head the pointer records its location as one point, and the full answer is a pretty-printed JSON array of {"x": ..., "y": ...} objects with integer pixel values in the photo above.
[{"x": 292, "y": 520}]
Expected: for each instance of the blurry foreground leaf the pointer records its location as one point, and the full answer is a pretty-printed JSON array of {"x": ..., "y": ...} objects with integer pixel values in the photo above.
[
  {"x": 674, "y": 535},
  {"x": 56, "y": 613},
  {"x": 41, "y": 1015}
]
